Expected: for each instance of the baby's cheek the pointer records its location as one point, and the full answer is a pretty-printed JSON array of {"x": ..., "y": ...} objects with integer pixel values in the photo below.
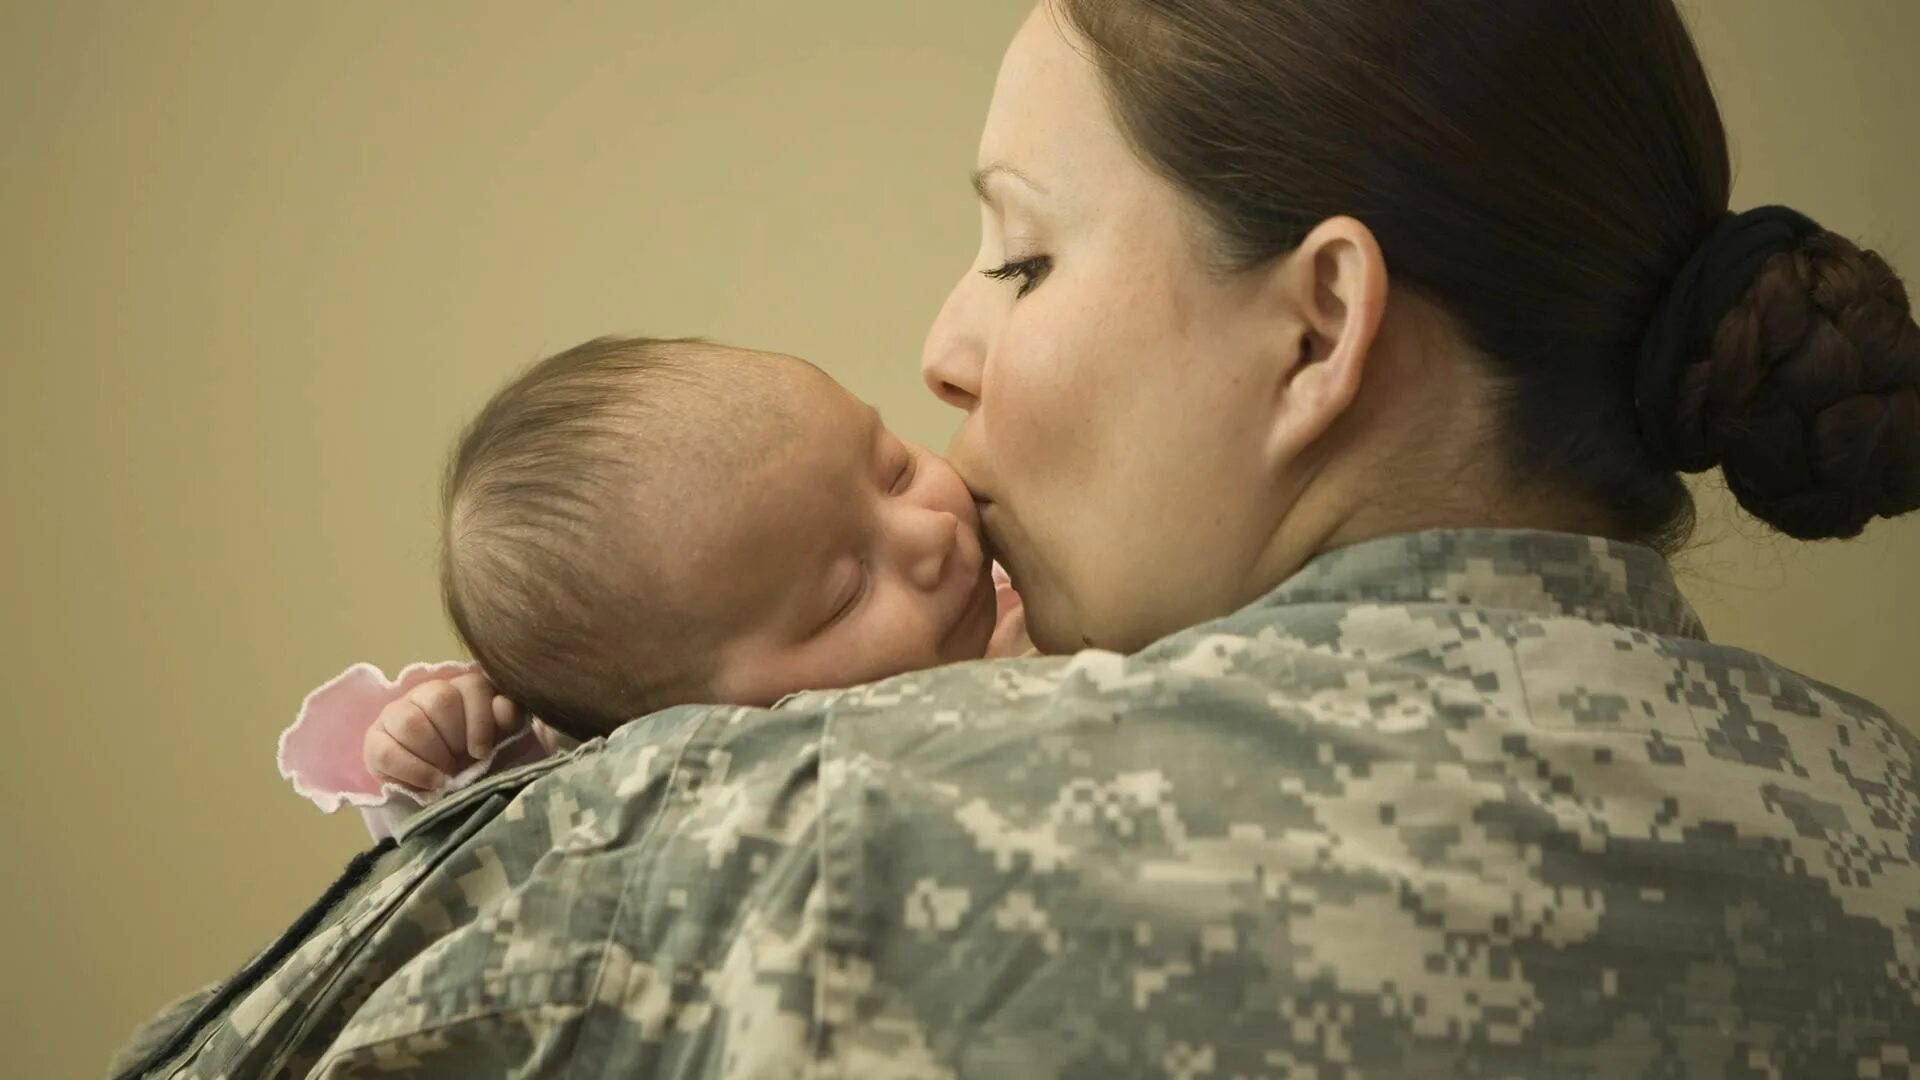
[
  {"x": 950, "y": 493},
  {"x": 908, "y": 640}
]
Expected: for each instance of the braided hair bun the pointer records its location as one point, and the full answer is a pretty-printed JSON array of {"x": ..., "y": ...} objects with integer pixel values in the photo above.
[{"x": 1806, "y": 392}]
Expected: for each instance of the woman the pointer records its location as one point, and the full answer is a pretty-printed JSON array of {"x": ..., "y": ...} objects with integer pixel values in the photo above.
[{"x": 1337, "y": 363}]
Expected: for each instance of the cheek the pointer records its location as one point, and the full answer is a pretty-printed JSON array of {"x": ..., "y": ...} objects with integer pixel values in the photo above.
[
  {"x": 1048, "y": 392},
  {"x": 1040, "y": 426},
  {"x": 899, "y": 634},
  {"x": 1121, "y": 434},
  {"x": 1079, "y": 376},
  {"x": 943, "y": 489}
]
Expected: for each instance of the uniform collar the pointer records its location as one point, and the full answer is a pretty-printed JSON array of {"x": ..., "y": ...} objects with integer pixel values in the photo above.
[{"x": 1541, "y": 573}]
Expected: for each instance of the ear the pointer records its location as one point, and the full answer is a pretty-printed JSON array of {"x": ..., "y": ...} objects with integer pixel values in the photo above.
[{"x": 1334, "y": 286}]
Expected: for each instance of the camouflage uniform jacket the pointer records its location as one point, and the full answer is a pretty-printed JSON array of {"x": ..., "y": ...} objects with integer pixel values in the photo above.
[{"x": 1450, "y": 804}]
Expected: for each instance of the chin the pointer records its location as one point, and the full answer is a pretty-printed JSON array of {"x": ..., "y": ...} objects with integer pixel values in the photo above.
[{"x": 1052, "y": 638}]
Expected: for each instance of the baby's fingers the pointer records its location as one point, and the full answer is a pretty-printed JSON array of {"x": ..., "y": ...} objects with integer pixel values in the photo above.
[
  {"x": 443, "y": 739},
  {"x": 415, "y": 726},
  {"x": 478, "y": 722},
  {"x": 508, "y": 716},
  {"x": 391, "y": 763}
]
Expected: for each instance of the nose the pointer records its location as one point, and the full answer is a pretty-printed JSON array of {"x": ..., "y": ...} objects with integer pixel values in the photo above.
[
  {"x": 954, "y": 353},
  {"x": 927, "y": 542}
]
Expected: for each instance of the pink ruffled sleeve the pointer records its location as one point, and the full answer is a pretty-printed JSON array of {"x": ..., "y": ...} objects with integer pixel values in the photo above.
[{"x": 321, "y": 751}]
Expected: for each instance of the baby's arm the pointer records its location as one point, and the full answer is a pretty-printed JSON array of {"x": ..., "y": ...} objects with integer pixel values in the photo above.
[{"x": 378, "y": 745}]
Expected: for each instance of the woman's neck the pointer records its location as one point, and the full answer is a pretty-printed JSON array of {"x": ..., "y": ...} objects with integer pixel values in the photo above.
[{"x": 1418, "y": 450}]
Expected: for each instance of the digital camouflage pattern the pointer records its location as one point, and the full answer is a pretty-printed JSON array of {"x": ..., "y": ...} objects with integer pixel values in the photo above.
[{"x": 1466, "y": 804}]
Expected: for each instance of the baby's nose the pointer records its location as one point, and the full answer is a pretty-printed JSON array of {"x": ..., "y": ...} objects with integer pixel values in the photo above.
[{"x": 934, "y": 536}]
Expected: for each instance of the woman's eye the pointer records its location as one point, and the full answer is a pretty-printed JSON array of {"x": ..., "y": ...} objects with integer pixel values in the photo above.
[{"x": 1031, "y": 272}]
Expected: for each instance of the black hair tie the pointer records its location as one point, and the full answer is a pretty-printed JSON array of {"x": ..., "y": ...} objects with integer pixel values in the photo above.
[{"x": 1708, "y": 287}]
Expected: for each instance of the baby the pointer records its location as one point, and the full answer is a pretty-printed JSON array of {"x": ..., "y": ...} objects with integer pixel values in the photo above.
[{"x": 634, "y": 524}]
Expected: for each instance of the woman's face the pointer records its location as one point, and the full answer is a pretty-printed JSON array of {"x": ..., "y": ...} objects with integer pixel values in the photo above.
[{"x": 1118, "y": 390}]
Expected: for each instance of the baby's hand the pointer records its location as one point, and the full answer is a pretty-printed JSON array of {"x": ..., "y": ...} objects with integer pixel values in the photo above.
[
  {"x": 438, "y": 730},
  {"x": 1010, "y": 621}
]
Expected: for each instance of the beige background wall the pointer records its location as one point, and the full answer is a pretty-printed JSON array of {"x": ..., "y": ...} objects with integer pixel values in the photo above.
[{"x": 261, "y": 258}]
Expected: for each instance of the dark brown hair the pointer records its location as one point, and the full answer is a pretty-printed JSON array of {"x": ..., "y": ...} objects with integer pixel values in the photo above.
[
  {"x": 551, "y": 564},
  {"x": 1541, "y": 169}
]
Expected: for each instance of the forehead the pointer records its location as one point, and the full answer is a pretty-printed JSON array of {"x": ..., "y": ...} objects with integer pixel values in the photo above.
[
  {"x": 793, "y": 430},
  {"x": 778, "y": 516},
  {"x": 730, "y": 444},
  {"x": 765, "y": 403},
  {"x": 1049, "y": 106},
  {"x": 821, "y": 410},
  {"x": 831, "y": 448}
]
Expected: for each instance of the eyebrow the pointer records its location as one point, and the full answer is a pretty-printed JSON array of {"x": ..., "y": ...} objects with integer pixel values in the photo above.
[{"x": 984, "y": 177}]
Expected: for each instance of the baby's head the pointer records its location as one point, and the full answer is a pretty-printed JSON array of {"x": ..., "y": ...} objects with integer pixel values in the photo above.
[{"x": 635, "y": 523}]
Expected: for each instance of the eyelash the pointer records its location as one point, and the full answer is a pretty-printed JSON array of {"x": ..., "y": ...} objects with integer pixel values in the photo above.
[
  {"x": 900, "y": 483},
  {"x": 853, "y": 601},
  {"x": 1030, "y": 272}
]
